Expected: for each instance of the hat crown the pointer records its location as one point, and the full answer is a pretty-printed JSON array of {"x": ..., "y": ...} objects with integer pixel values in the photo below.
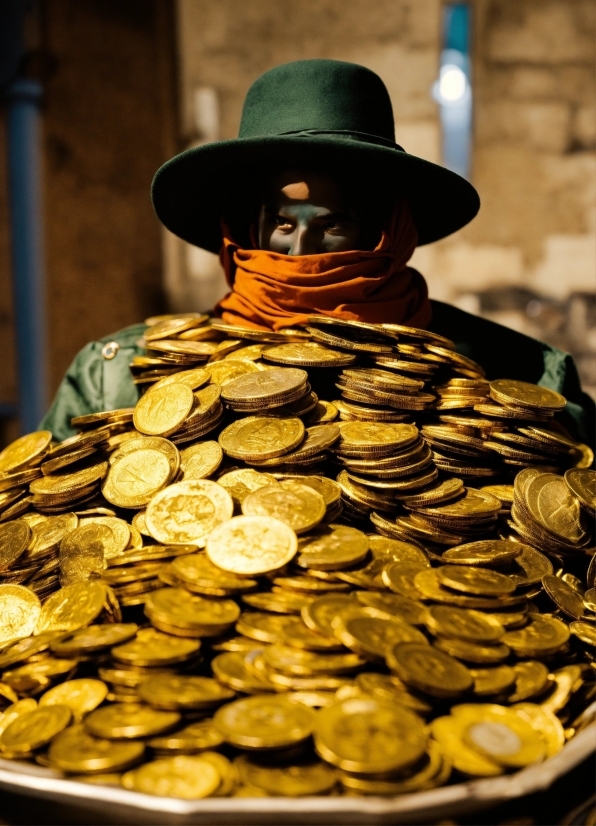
[{"x": 317, "y": 96}]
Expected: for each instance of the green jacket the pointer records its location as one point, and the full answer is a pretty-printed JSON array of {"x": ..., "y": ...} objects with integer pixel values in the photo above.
[{"x": 95, "y": 382}]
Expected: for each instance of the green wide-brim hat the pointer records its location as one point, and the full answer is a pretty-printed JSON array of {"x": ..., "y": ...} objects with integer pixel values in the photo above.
[{"x": 308, "y": 113}]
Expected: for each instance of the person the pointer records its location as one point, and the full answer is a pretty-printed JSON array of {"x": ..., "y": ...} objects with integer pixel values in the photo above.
[{"x": 314, "y": 209}]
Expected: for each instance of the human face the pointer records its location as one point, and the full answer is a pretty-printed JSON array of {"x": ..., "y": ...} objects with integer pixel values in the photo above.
[{"x": 307, "y": 214}]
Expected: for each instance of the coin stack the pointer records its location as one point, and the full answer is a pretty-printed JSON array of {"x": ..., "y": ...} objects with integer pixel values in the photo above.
[{"x": 323, "y": 595}]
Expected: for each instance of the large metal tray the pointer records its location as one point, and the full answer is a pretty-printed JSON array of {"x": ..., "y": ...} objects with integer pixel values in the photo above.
[{"x": 120, "y": 806}]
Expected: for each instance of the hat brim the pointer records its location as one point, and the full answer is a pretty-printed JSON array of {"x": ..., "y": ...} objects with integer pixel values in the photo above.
[{"x": 194, "y": 189}]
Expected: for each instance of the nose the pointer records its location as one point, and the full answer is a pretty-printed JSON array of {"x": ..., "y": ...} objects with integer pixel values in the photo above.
[{"x": 303, "y": 242}]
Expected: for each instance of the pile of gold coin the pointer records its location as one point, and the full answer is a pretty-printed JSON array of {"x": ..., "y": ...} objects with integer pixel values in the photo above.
[{"x": 327, "y": 560}]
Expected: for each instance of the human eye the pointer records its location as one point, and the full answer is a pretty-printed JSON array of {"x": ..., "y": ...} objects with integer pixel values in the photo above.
[{"x": 283, "y": 223}]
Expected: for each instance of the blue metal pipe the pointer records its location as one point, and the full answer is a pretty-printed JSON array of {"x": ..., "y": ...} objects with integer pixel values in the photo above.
[{"x": 24, "y": 174}]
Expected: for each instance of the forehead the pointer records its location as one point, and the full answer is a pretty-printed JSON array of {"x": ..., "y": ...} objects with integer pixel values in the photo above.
[{"x": 305, "y": 186}]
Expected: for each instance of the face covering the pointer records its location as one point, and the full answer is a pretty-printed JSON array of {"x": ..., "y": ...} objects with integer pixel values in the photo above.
[{"x": 270, "y": 291}]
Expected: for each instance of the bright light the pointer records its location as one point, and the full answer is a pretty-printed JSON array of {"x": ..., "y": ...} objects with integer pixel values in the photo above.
[{"x": 452, "y": 83}]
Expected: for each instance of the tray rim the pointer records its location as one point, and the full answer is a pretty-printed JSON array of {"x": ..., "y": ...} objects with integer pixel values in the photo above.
[{"x": 44, "y": 783}]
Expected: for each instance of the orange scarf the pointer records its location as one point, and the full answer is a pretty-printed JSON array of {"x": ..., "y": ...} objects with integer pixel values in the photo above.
[{"x": 270, "y": 290}]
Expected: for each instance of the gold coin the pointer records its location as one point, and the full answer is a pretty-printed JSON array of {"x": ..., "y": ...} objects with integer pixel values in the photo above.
[
  {"x": 194, "y": 378},
  {"x": 261, "y": 626},
  {"x": 389, "y": 606},
  {"x": 21, "y": 650},
  {"x": 317, "y": 439},
  {"x": 249, "y": 545},
  {"x": 270, "y": 722},
  {"x": 126, "y": 720},
  {"x": 582, "y": 484},
  {"x": 298, "y": 635},
  {"x": 280, "y": 601},
  {"x": 162, "y": 410},
  {"x": 529, "y": 567},
  {"x": 584, "y": 632},
  {"x": 261, "y": 437},
  {"x": 239, "y": 483},
  {"x": 186, "y": 777},
  {"x": 24, "y": 451},
  {"x": 151, "y": 647},
  {"x": 432, "y": 770},
  {"x": 372, "y": 437},
  {"x": 135, "y": 477},
  {"x": 17, "y": 709},
  {"x": 183, "y": 692},
  {"x": 566, "y": 598},
  {"x": 508, "y": 391},
  {"x": 49, "y": 533},
  {"x": 373, "y": 637},
  {"x": 200, "y": 460},
  {"x": 92, "y": 639},
  {"x": 333, "y": 548},
  {"x": 72, "y": 607},
  {"x": 474, "y": 580},
  {"x": 555, "y": 508},
  {"x": 464, "y": 624},
  {"x": 449, "y": 733},
  {"x": 233, "y": 670},
  {"x": 369, "y": 736},
  {"x": 14, "y": 539},
  {"x": 541, "y": 637},
  {"x": 500, "y": 734},
  {"x": 504, "y": 493},
  {"x": 192, "y": 739},
  {"x": 183, "y": 610},
  {"x": 485, "y": 552},
  {"x": 547, "y": 725},
  {"x": 197, "y": 572},
  {"x": 307, "y": 354},
  {"x": 33, "y": 730},
  {"x": 80, "y": 696},
  {"x": 263, "y": 388},
  {"x": 309, "y": 663},
  {"x": 290, "y": 780},
  {"x": 492, "y": 681},
  {"x": 320, "y": 613},
  {"x": 531, "y": 678},
  {"x": 186, "y": 512},
  {"x": 400, "y": 577},
  {"x": 19, "y": 612},
  {"x": 299, "y": 506},
  {"x": 75, "y": 750},
  {"x": 473, "y": 652},
  {"x": 429, "y": 670}
]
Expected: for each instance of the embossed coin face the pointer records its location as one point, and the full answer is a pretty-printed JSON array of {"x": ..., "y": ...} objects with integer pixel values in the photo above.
[
  {"x": 80, "y": 696},
  {"x": 273, "y": 383},
  {"x": 555, "y": 508},
  {"x": 566, "y": 598},
  {"x": 265, "y": 722},
  {"x": 162, "y": 410},
  {"x": 134, "y": 478},
  {"x": 308, "y": 354},
  {"x": 299, "y": 506},
  {"x": 14, "y": 539},
  {"x": 369, "y": 736},
  {"x": 172, "y": 691},
  {"x": 332, "y": 548},
  {"x": 261, "y": 437},
  {"x": 35, "y": 729},
  {"x": 249, "y": 545},
  {"x": 225, "y": 371},
  {"x": 475, "y": 580},
  {"x": 509, "y": 391},
  {"x": 72, "y": 607},
  {"x": 181, "y": 609},
  {"x": 371, "y": 435},
  {"x": 19, "y": 612},
  {"x": 239, "y": 483},
  {"x": 200, "y": 460},
  {"x": 582, "y": 483},
  {"x": 429, "y": 670},
  {"x": 490, "y": 552},
  {"x": 188, "y": 777},
  {"x": 124, "y": 720},
  {"x": 75, "y": 750},
  {"x": 186, "y": 512},
  {"x": 24, "y": 450}
]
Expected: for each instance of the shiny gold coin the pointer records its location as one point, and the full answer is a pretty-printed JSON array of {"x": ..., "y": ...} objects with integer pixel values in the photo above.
[
  {"x": 298, "y": 506},
  {"x": 487, "y": 552},
  {"x": 24, "y": 451},
  {"x": 492, "y": 681},
  {"x": 270, "y": 722},
  {"x": 265, "y": 388},
  {"x": 307, "y": 354},
  {"x": 151, "y": 648},
  {"x": 33, "y": 730},
  {"x": 239, "y": 483},
  {"x": 14, "y": 540},
  {"x": 556, "y": 509},
  {"x": 16, "y": 709},
  {"x": 249, "y": 545},
  {"x": 566, "y": 598},
  {"x": 473, "y": 652},
  {"x": 291, "y": 780},
  {"x": 320, "y": 613},
  {"x": 72, "y": 607},
  {"x": 389, "y": 606},
  {"x": 162, "y": 410},
  {"x": 464, "y": 624},
  {"x": 183, "y": 692},
  {"x": 197, "y": 572},
  {"x": 504, "y": 493},
  {"x": 449, "y": 733},
  {"x": 584, "y": 632},
  {"x": 263, "y": 627},
  {"x": 187, "y": 512},
  {"x": 66, "y": 483},
  {"x": 186, "y": 777},
  {"x": 369, "y": 736},
  {"x": 200, "y": 460},
  {"x": 333, "y": 548},
  {"x": 19, "y": 612},
  {"x": 298, "y": 635},
  {"x": 547, "y": 725},
  {"x": 400, "y": 578},
  {"x": 541, "y": 637},
  {"x": 372, "y": 437},
  {"x": 80, "y": 696},
  {"x": 500, "y": 734},
  {"x": 309, "y": 663},
  {"x": 183, "y": 611},
  {"x": 92, "y": 639},
  {"x": 373, "y": 637},
  {"x": 195, "y": 738},
  {"x": 194, "y": 378},
  {"x": 261, "y": 437},
  {"x": 525, "y": 395},
  {"x": 531, "y": 679},
  {"x": 232, "y": 669},
  {"x": 75, "y": 750},
  {"x": 429, "y": 670},
  {"x": 126, "y": 720},
  {"x": 135, "y": 477},
  {"x": 474, "y": 580},
  {"x": 582, "y": 484},
  {"x": 50, "y": 532}
]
